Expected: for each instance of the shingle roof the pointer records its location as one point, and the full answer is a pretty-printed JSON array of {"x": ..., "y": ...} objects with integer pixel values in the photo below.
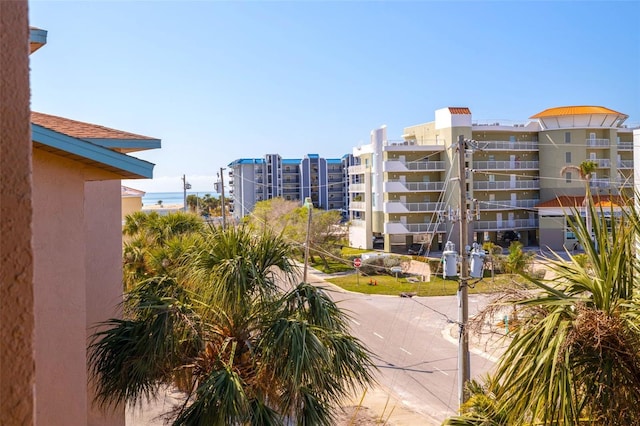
[
  {"x": 575, "y": 110},
  {"x": 459, "y": 110},
  {"x": 81, "y": 130},
  {"x": 576, "y": 201}
]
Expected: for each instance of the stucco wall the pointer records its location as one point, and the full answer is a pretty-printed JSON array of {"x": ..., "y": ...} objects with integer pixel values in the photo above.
[
  {"x": 17, "y": 397},
  {"x": 59, "y": 248},
  {"x": 103, "y": 262},
  {"x": 130, "y": 205},
  {"x": 77, "y": 276}
]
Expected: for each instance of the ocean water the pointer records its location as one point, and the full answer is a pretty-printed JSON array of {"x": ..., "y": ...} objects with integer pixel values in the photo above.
[{"x": 152, "y": 198}]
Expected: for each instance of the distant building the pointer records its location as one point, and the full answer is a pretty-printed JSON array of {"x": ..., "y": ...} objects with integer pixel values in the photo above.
[
  {"x": 256, "y": 179},
  {"x": 405, "y": 191},
  {"x": 131, "y": 201}
]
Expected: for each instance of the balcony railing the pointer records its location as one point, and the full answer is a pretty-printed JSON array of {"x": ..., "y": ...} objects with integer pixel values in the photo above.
[
  {"x": 506, "y": 184},
  {"x": 625, "y": 146},
  {"x": 506, "y": 165},
  {"x": 508, "y": 146},
  {"x": 602, "y": 163},
  {"x": 400, "y": 207},
  {"x": 357, "y": 187},
  {"x": 412, "y": 166},
  {"x": 357, "y": 170},
  {"x": 508, "y": 204},
  {"x": 415, "y": 228},
  {"x": 397, "y": 186},
  {"x": 492, "y": 225},
  {"x": 357, "y": 205},
  {"x": 358, "y": 222},
  {"x": 625, "y": 164},
  {"x": 597, "y": 143}
]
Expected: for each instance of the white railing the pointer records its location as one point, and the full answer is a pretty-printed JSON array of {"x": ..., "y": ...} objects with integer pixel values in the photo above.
[
  {"x": 357, "y": 187},
  {"x": 507, "y": 184},
  {"x": 399, "y": 166},
  {"x": 488, "y": 225},
  {"x": 358, "y": 222},
  {"x": 505, "y": 165},
  {"x": 625, "y": 164},
  {"x": 400, "y": 207},
  {"x": 508, "y": 204},
  {"x": 597, "y": 142},
  {"x": 601, "y": 162},
  {"x": 357, "y": 170},
  {"x": 357, "y": 205},
  {"x": 397, "y": 186},
  {"x": 507, "y": 146},
  {"x": 425, "y": 227},
  {"x": 625, "y": 146}
]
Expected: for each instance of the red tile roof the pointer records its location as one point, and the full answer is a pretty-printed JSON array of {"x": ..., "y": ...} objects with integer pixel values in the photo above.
[
  {"x": 459, "y": 110},
  {"x": 81, "y": 130},
  {"x": 576, "y": 201},
  {"x": 575, "y": 110}
]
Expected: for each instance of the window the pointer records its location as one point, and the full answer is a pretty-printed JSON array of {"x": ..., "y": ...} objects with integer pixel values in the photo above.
[
  {"x": 492, "y": 178},
  {"x": 568, "y": 175},
  {"x": 567, "y": 157},
  {"x": 567, "y": 137}
]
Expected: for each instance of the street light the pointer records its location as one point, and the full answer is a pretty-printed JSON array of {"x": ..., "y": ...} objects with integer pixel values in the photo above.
[{"x": 308, "y": 204}]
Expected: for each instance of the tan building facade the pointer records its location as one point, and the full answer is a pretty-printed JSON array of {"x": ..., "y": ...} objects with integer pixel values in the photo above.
[{"x": 414, "y": 195}]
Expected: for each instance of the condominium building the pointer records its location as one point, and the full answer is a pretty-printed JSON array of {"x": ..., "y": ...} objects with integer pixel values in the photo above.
[
  {"x": 324, "y": 180},
  {"x": 407, "y": 191}
]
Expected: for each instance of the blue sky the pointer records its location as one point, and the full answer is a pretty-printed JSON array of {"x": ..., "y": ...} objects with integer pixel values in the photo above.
[{"x": 218, "y": 81}]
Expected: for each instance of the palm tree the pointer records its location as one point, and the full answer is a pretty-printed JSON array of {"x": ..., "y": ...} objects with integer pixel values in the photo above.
[
  {"x": 584, "y": 170},
  {"x": 575, "y": 357},
  {"x": 227, "y": 324}
]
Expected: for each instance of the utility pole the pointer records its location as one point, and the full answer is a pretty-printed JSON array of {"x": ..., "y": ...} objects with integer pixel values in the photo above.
[
  {"x": 185, "y": 185},
  {"x": 464, "y": 363},
  {"x": 224, "y": 207}
]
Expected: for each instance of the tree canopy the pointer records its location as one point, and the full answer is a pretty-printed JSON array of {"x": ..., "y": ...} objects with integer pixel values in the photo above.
[{"x": 221, "y": 315}]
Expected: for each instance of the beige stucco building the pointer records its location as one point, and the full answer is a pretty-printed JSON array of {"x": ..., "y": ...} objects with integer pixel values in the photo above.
[
  {"x": 406, "y": 191},
  {"x": 67, "y": 277},
  {"x": 131, "y": 201}
]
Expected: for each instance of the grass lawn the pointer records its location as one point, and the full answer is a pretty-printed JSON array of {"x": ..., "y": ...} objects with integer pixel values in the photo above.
[
  {"x": 338, "y": 265},
  {"x": 436, "y": 287}
]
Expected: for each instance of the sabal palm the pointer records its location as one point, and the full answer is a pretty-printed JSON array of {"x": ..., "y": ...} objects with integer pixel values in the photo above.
[
  {"x": 575, "y": 357},
  {"x": 584, "y": 170},
  {"x": 218, "y": 325}
]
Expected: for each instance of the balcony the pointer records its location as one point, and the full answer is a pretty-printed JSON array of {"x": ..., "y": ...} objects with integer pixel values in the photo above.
[
  {"x": 357, "y": 187},
  {"x": 602, "y": 163},
  {"x": 397, "y": 186},
  {"x": 506, "y": 165},
  {"x": 625, "y": 164},
  {"x": 358, "y": 222},
  {"x": 492, "y": 225},
  {"x": 598, "y": 143},
  {"x": 625, "y": 146},
  {"x": 400, "y": 207},
  {"x": 413, "y": 228},
  {"x": 508, "y": 146},
  {"x": 357, "y": 170},
  {"x": 412, "y": 166},
  {"x": 357, "y": 205},
  {"x": 500, "y": 205},
  {"x": 506, "y": 185}
]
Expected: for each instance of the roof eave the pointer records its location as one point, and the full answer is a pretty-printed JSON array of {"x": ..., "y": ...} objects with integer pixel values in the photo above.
[
  {"x": 37, "y": 38},
  {"x": 97, "y": 156},
  {"x": 126, "y": 145}
]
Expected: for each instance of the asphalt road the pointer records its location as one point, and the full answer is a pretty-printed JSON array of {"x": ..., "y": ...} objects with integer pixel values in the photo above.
[{"x": 416, "y": 362}]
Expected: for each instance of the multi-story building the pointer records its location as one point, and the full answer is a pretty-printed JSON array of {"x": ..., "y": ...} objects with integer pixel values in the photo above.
[
  {"x": 256, "y": 179},
  {"x": 407, "y": 191}
]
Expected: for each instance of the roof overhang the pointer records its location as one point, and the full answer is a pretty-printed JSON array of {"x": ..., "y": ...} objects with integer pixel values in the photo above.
[
  {"x": 90, "y": 154},
  {"x": 37, "y": 39},
  {"x": 126, "y": 145}
]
